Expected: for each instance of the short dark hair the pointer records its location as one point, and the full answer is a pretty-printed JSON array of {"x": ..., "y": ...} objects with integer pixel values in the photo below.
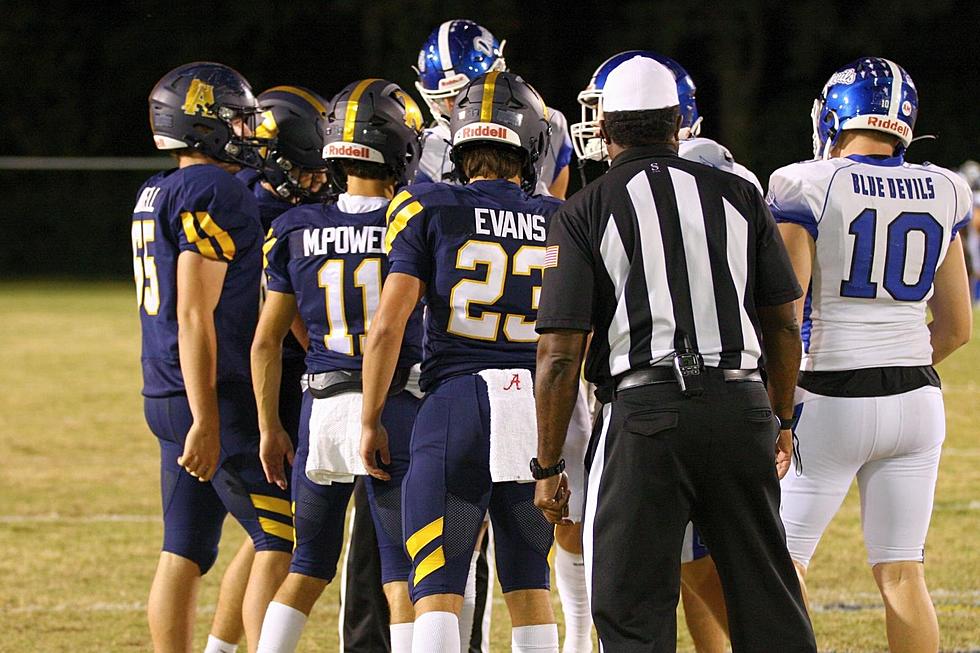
[
  {"x": 490, "y": 160},
  {"x": 366, "y": 169},
  {"x": 636, "y": 128}
]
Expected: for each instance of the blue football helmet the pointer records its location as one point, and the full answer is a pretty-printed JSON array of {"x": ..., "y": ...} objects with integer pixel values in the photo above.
[
  {"x": 455, "y": 53},
  {"x": 585, "y": 135},
  {"x": 208, "y": 107},
  {"x": 870, "y": 93}
]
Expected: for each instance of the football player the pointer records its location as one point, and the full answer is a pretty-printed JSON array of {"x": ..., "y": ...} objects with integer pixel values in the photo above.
[
  {"x": 701, "y": 593},
  {"x": 875, "y": 240},
  {"x": 474, "y": 252},
  {"x": 294, "y": 171},
  {"x": 197, "y": 259},
  {"x": 326, "y": 263},
  {"x": 455, "y": 53}
]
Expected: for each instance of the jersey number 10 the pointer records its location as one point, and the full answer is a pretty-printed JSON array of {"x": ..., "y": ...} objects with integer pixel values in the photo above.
[{"x": 859, "y": 283}]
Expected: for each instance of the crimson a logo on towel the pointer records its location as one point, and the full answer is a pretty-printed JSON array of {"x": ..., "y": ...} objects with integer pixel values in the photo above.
[{"x": 515, "y": 382}]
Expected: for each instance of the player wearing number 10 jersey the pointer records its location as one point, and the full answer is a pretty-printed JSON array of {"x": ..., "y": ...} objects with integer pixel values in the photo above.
[
  {"x": 475, "y": 253},
  {"x": 875, "y": 239}
]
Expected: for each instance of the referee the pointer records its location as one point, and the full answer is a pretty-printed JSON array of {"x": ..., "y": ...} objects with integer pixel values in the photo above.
[{"x": 679, "y": 271}]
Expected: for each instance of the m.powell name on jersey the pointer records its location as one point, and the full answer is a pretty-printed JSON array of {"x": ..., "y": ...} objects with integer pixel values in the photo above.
[
  {"x": 899, "y": 188},
  {"x": 343, "y": 240},
  {"x": 510, "y": 224}
]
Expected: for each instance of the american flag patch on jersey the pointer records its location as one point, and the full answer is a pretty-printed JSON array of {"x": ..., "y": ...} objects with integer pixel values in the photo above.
[{"x": 551, "y": 257}]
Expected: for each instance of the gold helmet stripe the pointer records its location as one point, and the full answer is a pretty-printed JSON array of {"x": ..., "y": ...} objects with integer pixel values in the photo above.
[
  {"x": 303, "y": 94},
  {"x": 350, "y": 116},
  {"x": 486, "y": 106}
]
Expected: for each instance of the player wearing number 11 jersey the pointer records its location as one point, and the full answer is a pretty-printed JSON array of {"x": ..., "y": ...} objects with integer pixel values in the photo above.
[
  {"x": 475, "y": 253},
  {"x": 875, "y": 240}
]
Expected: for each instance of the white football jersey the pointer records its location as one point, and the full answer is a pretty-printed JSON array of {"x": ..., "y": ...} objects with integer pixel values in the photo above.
[
  {"x": 710, "y": 153},
  {"x": 434, "y": 165},
  {"x": 881, "y": 227}
]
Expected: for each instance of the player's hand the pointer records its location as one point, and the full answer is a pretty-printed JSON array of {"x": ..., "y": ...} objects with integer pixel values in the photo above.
[
  {"x": 551, "y": 495},
  {"x": 374, "y": 444},
  {"x": 275, "y": 447},
  {"x": 784, "y": 452},
  {"x": 202, "y": 449}
]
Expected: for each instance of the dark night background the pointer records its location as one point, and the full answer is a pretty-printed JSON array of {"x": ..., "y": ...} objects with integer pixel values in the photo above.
[{"x": 76, "y": 76}]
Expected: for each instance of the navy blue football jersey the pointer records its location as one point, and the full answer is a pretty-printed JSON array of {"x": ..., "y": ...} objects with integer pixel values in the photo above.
[
  {"x": 202, "y": 209},
  {"x": 334, "y": 263},
  {"x": 271, "y": 206},
  {"x": 480, "y": 249}
]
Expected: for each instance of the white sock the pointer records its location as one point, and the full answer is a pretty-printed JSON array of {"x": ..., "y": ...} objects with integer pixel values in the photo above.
[
  {"x": 469, "y": 605},
  {"x": 281, "y": 629},
  {"x": 570, "y": 579},
  {"x": 401, "y": 637},
  {"x": 216, "y": 645},
  {"x": 436, "y": 632},
  {"x": 543, "y": 637}
]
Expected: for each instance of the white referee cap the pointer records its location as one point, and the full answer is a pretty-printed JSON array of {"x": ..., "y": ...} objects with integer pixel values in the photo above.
[{"x": 639, "y": 84}]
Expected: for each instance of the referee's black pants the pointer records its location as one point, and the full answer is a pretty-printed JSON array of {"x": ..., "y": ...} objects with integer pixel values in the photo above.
[{"x": 658, "y": 460}]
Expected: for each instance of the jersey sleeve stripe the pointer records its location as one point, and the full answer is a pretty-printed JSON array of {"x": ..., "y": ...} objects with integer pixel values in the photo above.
[
  {"x": 212, "y": 229},
  {"x": 400, "y": 222},
  {"x": 803, "y": 220},
  {"x": 396, "y": 203},
  {"x": 195, "y": 223},
  {"x": 266, "y": 248},
  {"x": 203, "y": 244}
]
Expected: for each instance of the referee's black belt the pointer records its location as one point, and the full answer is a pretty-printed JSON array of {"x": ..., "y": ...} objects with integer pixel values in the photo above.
[{"x": 663, "y": 374}]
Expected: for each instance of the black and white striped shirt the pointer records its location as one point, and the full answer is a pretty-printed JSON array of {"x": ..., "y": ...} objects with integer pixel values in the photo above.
[{"x": 657, "y": 248}]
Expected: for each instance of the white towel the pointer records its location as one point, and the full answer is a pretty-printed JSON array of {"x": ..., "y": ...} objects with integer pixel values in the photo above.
[
  {"x": 576, "y": 444},
  {"x": 513, "y": 424},
  {"x": 335, "y": 440}
]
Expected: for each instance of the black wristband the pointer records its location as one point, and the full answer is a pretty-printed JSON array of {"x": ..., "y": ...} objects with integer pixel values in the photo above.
[
  {"x": 786, "y": 423},
  {"x": 538, "y": 472}
]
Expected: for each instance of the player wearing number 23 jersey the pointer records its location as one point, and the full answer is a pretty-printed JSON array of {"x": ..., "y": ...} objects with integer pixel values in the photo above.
[{"x": 875, "y": 238}]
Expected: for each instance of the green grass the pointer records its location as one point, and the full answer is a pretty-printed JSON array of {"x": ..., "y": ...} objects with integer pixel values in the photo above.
[{"x": 80, "y": 531}]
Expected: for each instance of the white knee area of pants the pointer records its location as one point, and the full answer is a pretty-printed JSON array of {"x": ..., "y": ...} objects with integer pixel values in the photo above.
[
  {"x": 542, "y": 637},
  {"x": 468, "y": 610},
  {"x": 570, "y": 579},
  {"x": 436, "y": 632},
  {"x": 281, "y": 629},
  {"x": 218, "y": 645},
  {"x": 401, "y": 637}
]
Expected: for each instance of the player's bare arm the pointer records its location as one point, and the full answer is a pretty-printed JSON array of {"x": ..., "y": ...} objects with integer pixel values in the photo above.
[
  {"x": 781, "y": 342},
  {"x": 559, "y": 359},
  {"x": 952, "y": 315},
  {"x": 278, "y": 313},
  {"x": 199, "y": 283},
  {"x": 400, "y": 295},
  {"x": 801, "y": 249}
]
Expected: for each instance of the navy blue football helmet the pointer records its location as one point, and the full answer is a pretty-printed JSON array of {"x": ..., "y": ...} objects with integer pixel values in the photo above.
[
  {"x": 456, "y": 52},
  {"x": 501, "y": 108},
  {"x": 208, "y": 107},
  {"x": 870, "y": 93},
  {"x": 375, "y": 121},
  {"x": 294, "y": 121},
  {"x": 585, "y": 134}
]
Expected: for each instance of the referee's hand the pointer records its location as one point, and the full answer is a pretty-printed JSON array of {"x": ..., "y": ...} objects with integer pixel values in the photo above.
[
  {"x": 551, "y": 495},
  {"x": 784, "y": 452}
]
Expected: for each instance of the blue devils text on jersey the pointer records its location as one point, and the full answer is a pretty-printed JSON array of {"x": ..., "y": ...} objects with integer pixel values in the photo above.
[
  {"x": 480, "y": 249},
  {"x": 202, "y": 209}
]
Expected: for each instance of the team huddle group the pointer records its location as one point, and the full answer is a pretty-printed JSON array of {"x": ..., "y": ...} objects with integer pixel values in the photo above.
[{"x": 333, "y": 295}]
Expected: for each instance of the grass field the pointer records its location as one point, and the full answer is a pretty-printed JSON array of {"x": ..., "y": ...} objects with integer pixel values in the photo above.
[{"x": 80, "y": 527}]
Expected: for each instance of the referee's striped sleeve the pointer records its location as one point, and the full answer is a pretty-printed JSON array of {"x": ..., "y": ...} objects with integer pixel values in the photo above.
[{"x": 569, "y": 278}]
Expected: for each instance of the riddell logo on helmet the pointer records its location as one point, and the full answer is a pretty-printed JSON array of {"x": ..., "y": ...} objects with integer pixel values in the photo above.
[
  {"x": 489, "y": 131},
  {"x": 347, "y": 150},
  {"x": 890, "y": 124}
]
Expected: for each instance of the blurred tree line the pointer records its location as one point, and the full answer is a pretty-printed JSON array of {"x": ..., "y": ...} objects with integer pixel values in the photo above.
[{"x": 76, "y": 79}]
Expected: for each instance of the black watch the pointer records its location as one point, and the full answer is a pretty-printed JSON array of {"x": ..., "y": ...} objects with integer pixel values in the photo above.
[
  {"x": 539, "y": 472},
  {"x": 786, "y": 423}
]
